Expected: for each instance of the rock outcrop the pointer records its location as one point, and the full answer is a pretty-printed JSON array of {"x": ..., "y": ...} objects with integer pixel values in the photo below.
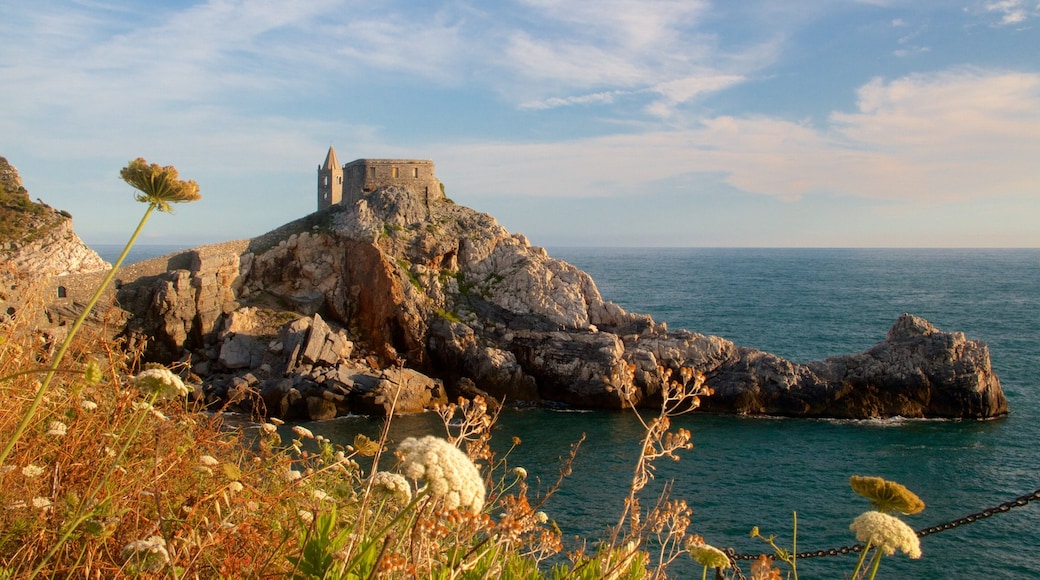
[
  {"x": 36, "y": 239},
  {"x": 328, "y": 314}
]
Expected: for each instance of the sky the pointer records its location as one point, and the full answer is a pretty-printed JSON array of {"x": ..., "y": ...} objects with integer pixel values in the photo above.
[{"x": 746, "y": 123}]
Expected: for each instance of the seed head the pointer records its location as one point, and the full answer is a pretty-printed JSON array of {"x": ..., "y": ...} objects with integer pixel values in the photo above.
[{"x": 159, "y": 185}]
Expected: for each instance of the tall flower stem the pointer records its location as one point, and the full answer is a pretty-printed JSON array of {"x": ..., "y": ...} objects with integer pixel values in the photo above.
[
  {"x": 862, "y": 558},
  {"x": 60, "y": 355}
]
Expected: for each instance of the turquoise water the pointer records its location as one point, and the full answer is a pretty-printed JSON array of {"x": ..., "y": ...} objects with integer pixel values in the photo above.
[{"x": 744, "y": 472}]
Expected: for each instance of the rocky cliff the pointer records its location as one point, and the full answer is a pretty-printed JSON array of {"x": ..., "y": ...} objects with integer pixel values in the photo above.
[
  {"x": 36, "y": 239},
  {"x": 326, "y": 315}
]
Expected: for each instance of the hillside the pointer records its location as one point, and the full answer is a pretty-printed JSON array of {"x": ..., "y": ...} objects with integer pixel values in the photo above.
[{"x": 35, "y": 238}]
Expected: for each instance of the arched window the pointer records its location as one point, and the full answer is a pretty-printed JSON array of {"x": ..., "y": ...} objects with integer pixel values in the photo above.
[{"x": 61, "y": 292}]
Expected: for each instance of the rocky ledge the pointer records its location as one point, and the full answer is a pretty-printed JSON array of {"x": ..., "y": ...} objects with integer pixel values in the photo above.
[
  {"x": 335, "y": 312},
  {"x": 36, "y": 239}
]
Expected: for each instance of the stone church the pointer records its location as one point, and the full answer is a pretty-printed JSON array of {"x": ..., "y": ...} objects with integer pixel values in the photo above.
[{"x": 353, "y": 181}]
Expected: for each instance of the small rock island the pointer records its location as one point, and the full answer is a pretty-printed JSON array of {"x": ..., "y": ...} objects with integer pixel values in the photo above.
[{"x": 391, "y": 298}]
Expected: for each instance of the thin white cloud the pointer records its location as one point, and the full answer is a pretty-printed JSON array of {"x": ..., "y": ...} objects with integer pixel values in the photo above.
[
  {"x": 1011, "y": 11},
  {"x": 554, "y": 102},
  {"x": 961, "y": 134}
]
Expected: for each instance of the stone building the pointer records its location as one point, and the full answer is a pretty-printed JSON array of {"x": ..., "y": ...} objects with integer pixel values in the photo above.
[{"x": 352, "y": 182}]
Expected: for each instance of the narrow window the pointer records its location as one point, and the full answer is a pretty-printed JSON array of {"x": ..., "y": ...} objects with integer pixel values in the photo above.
[
  {"x": 393, "y": 172},
  {"x": 61, "y": 292},
  {"x": 372, "y": 172},
  {"x": 415, "y": 172}
]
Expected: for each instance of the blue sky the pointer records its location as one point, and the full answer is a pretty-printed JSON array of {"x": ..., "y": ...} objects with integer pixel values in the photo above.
[{"x": 831, "y": 123}]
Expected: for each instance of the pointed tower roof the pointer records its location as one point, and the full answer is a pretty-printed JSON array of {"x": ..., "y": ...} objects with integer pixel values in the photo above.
[{"x": 330, "y": 160}]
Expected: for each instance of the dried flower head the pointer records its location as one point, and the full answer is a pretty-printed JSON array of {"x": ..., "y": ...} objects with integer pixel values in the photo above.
[
  {"x": 159, "y": 185},
  {"x": 208, "y": 461},
  {"x": 365, "y": 446},
  {"x": 708, "y": 556},
  {"x": 161, "y": 382},
  {"x": 887, "y": 532},
  {"x": 302, "y": 432},
  {"x": 449, "y": 473},
  {"x": 762, "y": 569},
  {"x": 886, "y": 496}
]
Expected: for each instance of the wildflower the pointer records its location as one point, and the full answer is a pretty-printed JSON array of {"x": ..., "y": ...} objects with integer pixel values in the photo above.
[
  {"x": 393, "y": 485},
  {"x": 87, "y": 405},
  {"x": 268, "y": 428},
  {"x": 365, "y": 446},
  {"x": 158, "y": 185},
  {"x": 542, "y": 517},
  {"x": 291, "y": 475},
  {"x": 92, "y": 373},
  {"x": 306, "y": 516},
  {"x": 147, "y": 555},
  {"x": 320, "y": 495},
  {"x": 41, "y": 503},
  {"x": 32, "y": 471},
  {"x": 520, "y": 472},
  {"x": 762, "y": 569},
  {"x": 449, "y": 473},
  {"x": 161, "y": 382},
  {"x": 708, "y": 556},
  {"x": 303, "y": 432},
  {"x": 57, "y": 429},
  {"x": 888, "y": 533},
  {"x": 886, "y": 496},
  {"x": 209, "y": 461},
  {"x": 235, "y": 487},
  {"x": 276, "y": 421}
]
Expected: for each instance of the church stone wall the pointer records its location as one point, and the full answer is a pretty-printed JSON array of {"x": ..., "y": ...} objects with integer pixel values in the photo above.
[{"x": 364, "y": 176}]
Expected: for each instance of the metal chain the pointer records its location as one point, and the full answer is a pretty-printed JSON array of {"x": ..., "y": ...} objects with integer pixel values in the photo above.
[{"x": 856, "y": 548}]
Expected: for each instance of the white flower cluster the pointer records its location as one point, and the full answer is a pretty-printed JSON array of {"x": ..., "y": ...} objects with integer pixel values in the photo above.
[
  {"x": 393, "y": 485},
  {"x": 147, "y": 555},
  {"x": 161, "y": 382},
  {"x": 887, "y": 533},
  {"x": 57, "y": 429},
  {"x": 449, "y": 474}
]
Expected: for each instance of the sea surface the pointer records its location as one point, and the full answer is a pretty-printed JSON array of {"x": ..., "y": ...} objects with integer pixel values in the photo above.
[{"x": 807, "y": 304}]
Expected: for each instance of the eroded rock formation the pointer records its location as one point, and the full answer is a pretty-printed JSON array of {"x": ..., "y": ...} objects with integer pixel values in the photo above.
[{"x": 394, "y": 283}]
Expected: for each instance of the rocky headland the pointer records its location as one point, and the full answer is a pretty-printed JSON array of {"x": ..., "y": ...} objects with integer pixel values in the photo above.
[{"x": 397, "y": 302}]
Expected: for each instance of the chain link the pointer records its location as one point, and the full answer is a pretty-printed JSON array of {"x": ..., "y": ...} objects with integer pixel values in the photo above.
[{"x": 856, "y": 548}]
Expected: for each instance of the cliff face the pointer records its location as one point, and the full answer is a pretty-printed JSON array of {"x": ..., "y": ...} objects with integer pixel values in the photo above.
[
  {"x": 38, "y": 240},
  {"x": 446, "y": 290}
]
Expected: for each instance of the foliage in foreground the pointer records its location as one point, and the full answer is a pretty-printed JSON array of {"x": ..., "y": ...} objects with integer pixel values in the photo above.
[{"x": 110, "y": 470}]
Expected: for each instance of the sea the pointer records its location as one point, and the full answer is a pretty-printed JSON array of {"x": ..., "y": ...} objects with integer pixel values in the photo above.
[{"x": 745, "y": 472}]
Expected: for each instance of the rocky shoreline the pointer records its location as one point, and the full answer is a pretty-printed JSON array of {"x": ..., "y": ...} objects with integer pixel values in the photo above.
[{"x": 333, "y": 313}]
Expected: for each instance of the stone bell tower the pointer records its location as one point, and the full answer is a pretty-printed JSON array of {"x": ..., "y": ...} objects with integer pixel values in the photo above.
[{"x": 330, "y": 181}]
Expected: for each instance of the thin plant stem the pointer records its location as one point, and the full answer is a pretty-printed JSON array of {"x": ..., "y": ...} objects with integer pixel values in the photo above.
[
  {"x": 877, "y": 563},
  {"x": 862, "y": 558},
  {"x": 52, "y": 370},
  {"x": 794, "y": 545}
]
